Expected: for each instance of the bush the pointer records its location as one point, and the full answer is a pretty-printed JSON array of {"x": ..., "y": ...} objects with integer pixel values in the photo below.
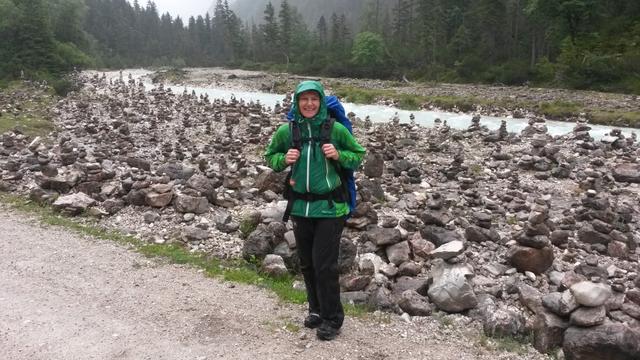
[
  {"x": 514, "y": 72},
  {"x": 544, "y": 71},
  {"x": 63, "y": 87}
]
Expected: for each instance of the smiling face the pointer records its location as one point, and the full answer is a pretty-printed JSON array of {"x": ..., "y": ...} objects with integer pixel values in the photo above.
[{"x": 309, "y": 103}]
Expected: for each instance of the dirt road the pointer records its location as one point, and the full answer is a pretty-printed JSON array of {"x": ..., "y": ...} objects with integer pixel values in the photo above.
[{"x": 64, "y": 296}]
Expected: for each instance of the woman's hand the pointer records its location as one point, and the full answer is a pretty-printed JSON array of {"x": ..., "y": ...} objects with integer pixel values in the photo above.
[
  {"x": 292, "y": 156},
  {"x": 330, "y": 152}
]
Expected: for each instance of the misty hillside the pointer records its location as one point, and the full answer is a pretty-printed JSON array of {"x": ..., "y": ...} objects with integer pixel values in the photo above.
[{"x": 311, "y": 10}]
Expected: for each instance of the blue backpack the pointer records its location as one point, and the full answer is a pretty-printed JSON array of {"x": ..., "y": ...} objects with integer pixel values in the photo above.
[{"x": 336, "y": 113}]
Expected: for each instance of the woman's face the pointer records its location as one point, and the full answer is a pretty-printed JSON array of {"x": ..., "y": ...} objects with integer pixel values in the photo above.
[{"x": 309, "y": 103}]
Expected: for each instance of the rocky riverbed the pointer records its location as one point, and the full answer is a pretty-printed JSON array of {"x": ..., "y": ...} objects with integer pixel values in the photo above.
[
  {"x": 523, "y": 233},
  {"x": 246, "y": 80}
]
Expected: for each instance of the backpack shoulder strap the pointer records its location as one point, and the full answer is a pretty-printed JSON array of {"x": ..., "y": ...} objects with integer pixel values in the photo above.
[
  {"x": 325, "y": 131},
  {"x": 296, "y": 137}
]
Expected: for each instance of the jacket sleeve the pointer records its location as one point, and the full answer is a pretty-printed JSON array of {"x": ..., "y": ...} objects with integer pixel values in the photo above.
[
  {"x": 351, "y": 153},
  {"x": 277, "y": 148}
]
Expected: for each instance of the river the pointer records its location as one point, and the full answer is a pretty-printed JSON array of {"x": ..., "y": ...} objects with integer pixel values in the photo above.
[{"x": 377, "y": 113}]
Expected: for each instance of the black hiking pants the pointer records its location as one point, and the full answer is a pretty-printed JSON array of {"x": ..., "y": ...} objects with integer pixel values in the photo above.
[{"x": 318, "y": 243}]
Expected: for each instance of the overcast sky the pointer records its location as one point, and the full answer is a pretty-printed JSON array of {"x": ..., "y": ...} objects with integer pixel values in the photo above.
[{"x": 184, "y": 8}]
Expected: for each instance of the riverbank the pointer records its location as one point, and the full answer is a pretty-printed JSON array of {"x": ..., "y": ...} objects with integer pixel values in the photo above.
[{"x": 517, "y": 101}]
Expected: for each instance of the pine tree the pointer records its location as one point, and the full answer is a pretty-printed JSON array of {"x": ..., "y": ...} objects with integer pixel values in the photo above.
[
  {"x": 33, "y": 39},
  {"x": 270, "y": 31}
]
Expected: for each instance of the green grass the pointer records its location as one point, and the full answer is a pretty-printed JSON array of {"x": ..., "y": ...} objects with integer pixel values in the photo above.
[
  {"x": 517, "y": 345},
  {"x": 557, "y": 110},
  {"x": 615, "y": 118},
  {"x": 32, "y": 118}
]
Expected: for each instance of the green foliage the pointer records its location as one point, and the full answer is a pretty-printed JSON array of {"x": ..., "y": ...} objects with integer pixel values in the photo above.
[
  {"x": 63, "y": 86},
  {"x": 368, "y": 49},
  {"x": 559, "y": 109}
]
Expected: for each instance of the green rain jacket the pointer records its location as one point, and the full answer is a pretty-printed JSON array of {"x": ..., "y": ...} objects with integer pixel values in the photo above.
[{"x": 313, "y": 172}]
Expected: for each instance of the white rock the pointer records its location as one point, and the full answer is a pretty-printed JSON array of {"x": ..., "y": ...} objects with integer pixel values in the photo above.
[{"x": 591, "y": 294}]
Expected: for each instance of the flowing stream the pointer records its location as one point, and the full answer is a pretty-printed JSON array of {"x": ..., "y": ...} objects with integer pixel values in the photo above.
[{"x": 377, "y": 113}]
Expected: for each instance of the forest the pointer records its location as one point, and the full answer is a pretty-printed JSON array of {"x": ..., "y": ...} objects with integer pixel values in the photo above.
[{"x": 576, "y": 44}]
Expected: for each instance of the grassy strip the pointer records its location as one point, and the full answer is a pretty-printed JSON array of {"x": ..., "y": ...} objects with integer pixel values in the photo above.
[
  {"x": 517, "y": 345},
  {"x": 238, "y": 271},
  {"x": 556, "y": 110},
  {"x": 33, "y": 115}
]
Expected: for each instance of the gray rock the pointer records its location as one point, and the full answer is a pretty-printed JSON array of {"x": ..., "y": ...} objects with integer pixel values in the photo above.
[
  {"x": 409, "y": 268},
  {"x": 560, "y": 303},
  {"x": 191, "y": 204},
  {"x": 414, "y": 304},
  {"x": 374, "y": 165},
  {"x": 536, "y": 241},
  {"x": 383, "y": 236},
  {"x": 347, "y": 255},
  {"x": 587, "y": 234},
  {"x": 398, "y": 253},
  {"x": 258, "y": 243},
  {"x": 154, "y": 199},
  {"x": 632, "y": 310},
  {"x": 354, "y": 297},
  {"x": 448, "y": 250},
  {"x": 438, "y": 235},
  {"x": 176, "y": 171},
  {"x": 194, "y": 234},
  {"x": 548, "y": 331},
  {"x": 591, "y": 294},
  {"x": 420, "y": 247},
  {"x": 530, "y": 297},
  {"x": 404, "y": 283},
  {"x": 478, "y": 234},
  {"x": 609, "y": 341},
  {"x": 139, "y": 163},
  {"x": 502, "y": 322},
  {"x": 73, "y": 204},
  {"x": 451, "y": 290},
  {"x": 355, "y": 282},
  {"x": 273, "y": 265},
  {"x": 588, "y": 316},
  {"x": 381, "y": 299},
  {"x": 627, "y": 173}
]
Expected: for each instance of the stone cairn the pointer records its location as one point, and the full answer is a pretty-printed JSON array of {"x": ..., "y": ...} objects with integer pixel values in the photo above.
[
  {"x": 533, "y": 252},
  {"x": 605, "y": 228}
]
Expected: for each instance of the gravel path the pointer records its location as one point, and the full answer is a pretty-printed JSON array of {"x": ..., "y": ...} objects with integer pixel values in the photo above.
[{"x": 64, "y": 296}]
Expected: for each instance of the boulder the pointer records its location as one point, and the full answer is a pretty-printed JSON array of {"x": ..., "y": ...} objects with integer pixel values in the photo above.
[
  {"x": 258, "y": 244},
  {"x": 383, "y": 236},
  {"x": 273, "y": 265},
  {"x": 548, "y": 331},
  {"x": 414, "y": 304},
  {"x": 398, "y": 253},
  {"x": 530, "y": 259},
  {"x": 627, "y": 173},
  {"x": 592, "y": 294},
  {"x": 610, "y": 341},
  {"x": 73, "y": 204},
  {"x": 451, "y": 290},
  {"x": 588, "y": 316},
  {"x": 191, "y": 204}
]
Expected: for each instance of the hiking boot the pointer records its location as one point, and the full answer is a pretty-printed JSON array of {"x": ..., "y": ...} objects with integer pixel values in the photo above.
[
  {"x": 312, "y": 321},
  {"x": 327, "y": 332}
]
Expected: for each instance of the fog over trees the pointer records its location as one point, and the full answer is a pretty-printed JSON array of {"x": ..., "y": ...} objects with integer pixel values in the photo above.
[{"x": 581, "y": 44}]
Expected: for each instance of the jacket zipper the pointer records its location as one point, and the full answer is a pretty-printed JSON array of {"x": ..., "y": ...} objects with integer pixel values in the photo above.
[{"x": 308, "y": 165}]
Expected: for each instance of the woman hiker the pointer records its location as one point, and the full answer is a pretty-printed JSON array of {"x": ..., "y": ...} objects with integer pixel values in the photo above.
[{"x": 317, "y": 200}]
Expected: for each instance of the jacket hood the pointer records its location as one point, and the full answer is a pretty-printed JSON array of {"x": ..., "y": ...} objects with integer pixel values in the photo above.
[{"x": 307, "y": 86}]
